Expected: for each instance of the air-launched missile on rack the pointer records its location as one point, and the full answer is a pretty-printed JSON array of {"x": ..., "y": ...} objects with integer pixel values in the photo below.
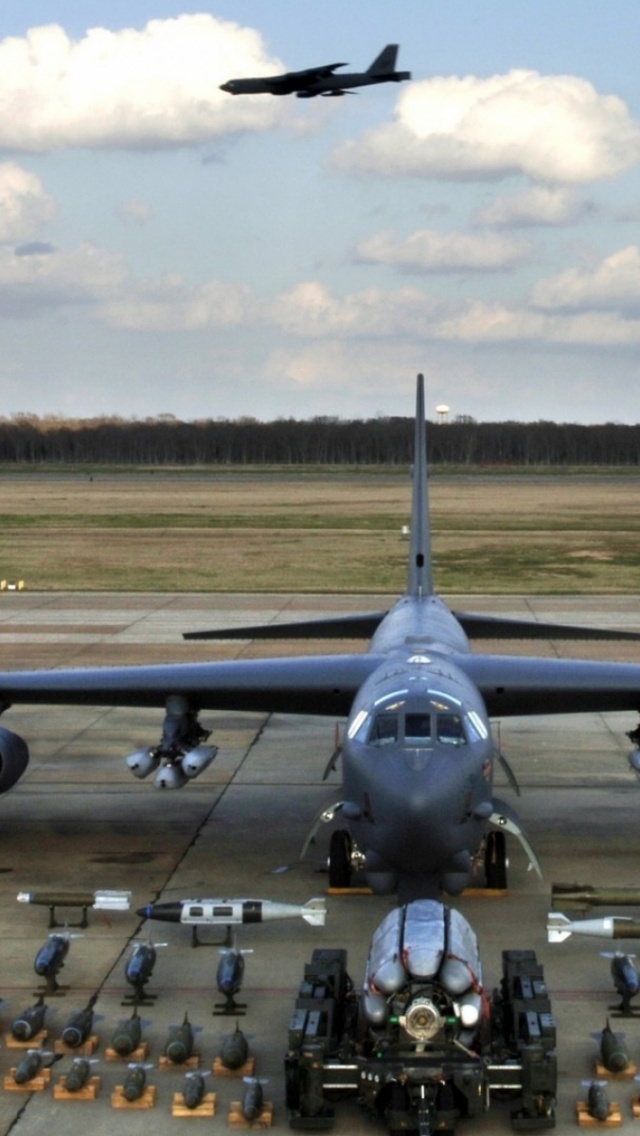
[
  {"x": 585, "y": 895},
  {"x": 100, "y": 900},
  {"x": 559, "y": 927},
  {"x": 225, "y": 912}
]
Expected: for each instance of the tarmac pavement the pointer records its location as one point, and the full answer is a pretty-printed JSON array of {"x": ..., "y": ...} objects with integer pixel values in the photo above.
[{"x": 78, "y": 821}]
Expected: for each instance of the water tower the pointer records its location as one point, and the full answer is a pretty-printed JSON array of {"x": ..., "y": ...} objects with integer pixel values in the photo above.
[{"x": 443, "y": 413}]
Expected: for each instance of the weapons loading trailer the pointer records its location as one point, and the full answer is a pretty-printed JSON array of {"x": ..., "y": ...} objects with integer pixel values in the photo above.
[{"x": 333, "y": 1053}]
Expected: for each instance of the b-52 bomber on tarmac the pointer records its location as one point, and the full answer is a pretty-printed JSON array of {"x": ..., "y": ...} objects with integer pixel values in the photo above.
[
  {"x": 418, "y": 753},
  {"x": 322, "y": 80}
]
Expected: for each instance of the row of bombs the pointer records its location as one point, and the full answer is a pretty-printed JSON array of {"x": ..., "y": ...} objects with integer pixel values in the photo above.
[
  {"x": 125, "y": 1041},
  {"x": 139, "y": 968},
  {"x": 615, "y": 1059}
]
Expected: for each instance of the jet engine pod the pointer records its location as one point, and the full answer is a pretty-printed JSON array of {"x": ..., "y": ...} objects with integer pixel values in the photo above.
[
  {"x": 14, "y": 758},
  {"x": 198, "y": 759},
  {"x": 170, "y": 776},
  {"x": 143, "y": 762}
]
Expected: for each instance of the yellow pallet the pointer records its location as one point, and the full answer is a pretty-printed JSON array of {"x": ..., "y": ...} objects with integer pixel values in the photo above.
[
  {"x": 237, "y": 1119},
  {"x": 207, "y": 1106},
  {"x": 147, "y": 1100},
  {"x": 87, "y": 1092}
]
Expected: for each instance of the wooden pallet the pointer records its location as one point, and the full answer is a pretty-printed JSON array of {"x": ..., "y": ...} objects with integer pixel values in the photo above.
[
  {"x": 35, "y": 1085},
  {"x": 349, "y": 891},
  {"x": 237, "y": 1119},
  {"x": 189, "y": 1065},
  {"x": 87, "y": 1092},
  {"x": 85, "y": 1050},
  {"x": 207, "y": 1106},
  {"x": 147, "y": 1100},
  {"x": 246, "y": 1070},
  {"x": 35, "y": 1042},
  {"x": 136, "y": 1055},
  {"x": 585, "y": 1120},
  {"x": 604, "y": 1074}
]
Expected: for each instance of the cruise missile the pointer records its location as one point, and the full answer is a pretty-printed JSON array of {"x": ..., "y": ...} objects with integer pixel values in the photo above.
[
  {"x": 225, "y": 912},
  {"x": 559, "y": 927}
]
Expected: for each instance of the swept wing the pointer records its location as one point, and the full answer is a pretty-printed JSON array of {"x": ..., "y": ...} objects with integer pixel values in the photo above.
[{"x": 327, "y": 684}]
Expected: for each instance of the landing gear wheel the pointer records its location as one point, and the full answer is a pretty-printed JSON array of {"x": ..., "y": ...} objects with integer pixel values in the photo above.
[
  {"x": 495, "y": 861},
  {"x": 340, "y": 859}
]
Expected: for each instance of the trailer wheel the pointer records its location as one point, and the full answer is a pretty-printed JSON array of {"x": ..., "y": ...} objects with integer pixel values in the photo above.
[
  {"x": 340, "y": 859},
  {"x": 495, "y": 861}
]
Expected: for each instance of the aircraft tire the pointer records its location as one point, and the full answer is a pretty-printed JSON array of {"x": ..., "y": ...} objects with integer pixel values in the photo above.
[
  {"x": 495, "y": 861},
  {"x": 340, "y": 859}
]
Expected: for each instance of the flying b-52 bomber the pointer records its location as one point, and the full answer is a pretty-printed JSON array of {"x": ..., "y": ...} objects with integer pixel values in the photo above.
[
  {"x": 322, "y": 80},
  {"x": 418, "y": 753}
]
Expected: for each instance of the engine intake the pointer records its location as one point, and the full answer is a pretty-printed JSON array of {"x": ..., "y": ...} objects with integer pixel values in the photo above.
[{"x": 14, "y": 758}]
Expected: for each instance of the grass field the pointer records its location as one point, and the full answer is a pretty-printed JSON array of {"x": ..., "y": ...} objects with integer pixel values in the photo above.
[{"x": 310, "y": 531}]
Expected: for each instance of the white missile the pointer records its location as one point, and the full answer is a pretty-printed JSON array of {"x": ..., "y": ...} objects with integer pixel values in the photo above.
[
  {"x": 225, "y": 912},
  {"x": 559, "y": 927}
]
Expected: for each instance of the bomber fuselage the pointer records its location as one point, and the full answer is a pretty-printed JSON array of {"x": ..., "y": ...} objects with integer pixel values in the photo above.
[{"x": 418, "y": 755}]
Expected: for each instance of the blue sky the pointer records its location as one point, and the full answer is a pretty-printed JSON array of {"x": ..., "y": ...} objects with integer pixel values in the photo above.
[{"x": 167, "y": 248}]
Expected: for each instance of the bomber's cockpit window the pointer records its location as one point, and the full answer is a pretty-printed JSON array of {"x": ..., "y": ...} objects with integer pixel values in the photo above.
[
  {"x": 417, "y": 729},
  {"x": 450, "y": 729},
  {"x": 384, "y": 729}
]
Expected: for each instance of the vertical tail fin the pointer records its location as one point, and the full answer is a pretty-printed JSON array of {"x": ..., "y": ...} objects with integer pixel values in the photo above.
[
  {"x": 420, "y": 576},
  {"x": 385, "y": 62}
]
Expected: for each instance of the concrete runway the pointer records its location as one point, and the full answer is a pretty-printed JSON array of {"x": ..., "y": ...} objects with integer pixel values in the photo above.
[{"x": 78, "y": 821}]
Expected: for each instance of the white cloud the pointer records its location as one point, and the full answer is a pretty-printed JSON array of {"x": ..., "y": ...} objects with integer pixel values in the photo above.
[
  {"x": 135, "y": 210},
  {"x": 538, "y": 205},
  {"x": 332, "y": 366},
  {"x": 131, "y": 89},
  {"x": 612, "y": 285},
  {"x": 24, "y": 204},
  {"x": 173, "y": 305},
  {"x": 428, "y": 250},
  {"x": 43, "y": 277},
  {"x": 555, "y": 128},
  {"x": 310, "y": 310}
]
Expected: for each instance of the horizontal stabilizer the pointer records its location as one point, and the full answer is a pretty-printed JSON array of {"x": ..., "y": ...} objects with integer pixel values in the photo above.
[
  {"x": 314, "y": 912},
  {"x": 502, "y": 627},
  {"x": 340, "y": 627}
]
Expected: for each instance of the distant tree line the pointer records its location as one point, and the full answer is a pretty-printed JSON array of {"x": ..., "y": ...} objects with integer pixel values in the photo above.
[{"x": 318, "y": 441}]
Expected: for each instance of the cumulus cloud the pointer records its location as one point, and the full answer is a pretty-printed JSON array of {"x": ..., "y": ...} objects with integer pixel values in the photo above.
[
  {"x": 131, "y": 89},
  {"x": 173, "y": 305},
  {"x": 538, "y": 205},
  {"x": 554, "y": 128},
  {"x": 44, "y": 278},
  {"x": 24, "y": 204},
  {"x": 310, "y": 309},
  {"x": 612, "y": 285},
  {"x": 431, "y": 251},
  {"x": 134, "y": 210},
  {"x": 333, "y": 365},
  {"x": 481, "y": 322}
]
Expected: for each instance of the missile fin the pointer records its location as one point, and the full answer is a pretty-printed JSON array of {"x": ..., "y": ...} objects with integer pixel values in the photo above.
[
  {"x": 314, "y": 911},
  {"x": 558, "y": 927}
]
